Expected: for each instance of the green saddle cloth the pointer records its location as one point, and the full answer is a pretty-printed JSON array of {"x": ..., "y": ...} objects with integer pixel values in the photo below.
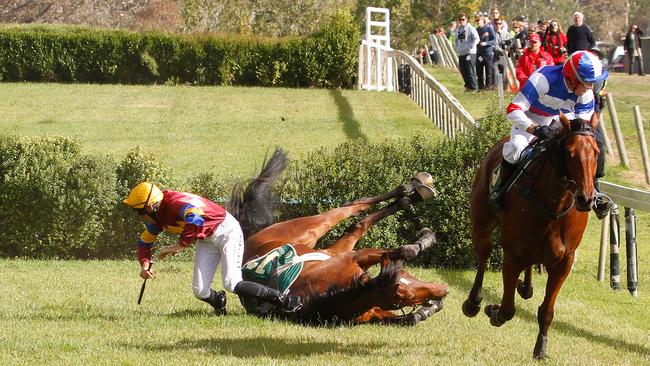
[{"x": 274, "y": 269}]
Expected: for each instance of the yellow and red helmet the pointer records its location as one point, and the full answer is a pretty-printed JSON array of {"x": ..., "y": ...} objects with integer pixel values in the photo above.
[{"x": 144, "y": 194}]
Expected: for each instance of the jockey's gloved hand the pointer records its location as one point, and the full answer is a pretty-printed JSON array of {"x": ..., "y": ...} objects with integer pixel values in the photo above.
[{"x": 543, "y": 132}]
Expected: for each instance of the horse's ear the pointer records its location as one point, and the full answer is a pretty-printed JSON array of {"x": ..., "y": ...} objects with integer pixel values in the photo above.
[
  {"x": 595, "y": 118},
  {"x": 565, "y": 122}
]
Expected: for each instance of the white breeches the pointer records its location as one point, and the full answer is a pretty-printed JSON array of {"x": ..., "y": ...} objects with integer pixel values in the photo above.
[
  {"x": 512, "y": 149},
  {"x": 225, "y": 246}
]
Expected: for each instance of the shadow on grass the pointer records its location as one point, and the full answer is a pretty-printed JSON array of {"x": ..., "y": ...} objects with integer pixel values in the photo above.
[
  {"x": 263, "y": 346},
  {"x": 351, "y": 126},
  {"x": 464, "y": 284}
]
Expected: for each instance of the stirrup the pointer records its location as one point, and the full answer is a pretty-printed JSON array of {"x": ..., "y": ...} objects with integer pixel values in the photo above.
[
  {"x": 602, "y": 205},
  {"x": 495, "y": 200}
]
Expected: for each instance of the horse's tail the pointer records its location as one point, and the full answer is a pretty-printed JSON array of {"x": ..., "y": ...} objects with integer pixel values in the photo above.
[{"x": 251, "y": 201}]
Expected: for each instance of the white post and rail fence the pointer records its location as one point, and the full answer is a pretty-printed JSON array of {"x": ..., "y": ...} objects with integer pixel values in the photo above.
[{"x": 382, "y": 68}]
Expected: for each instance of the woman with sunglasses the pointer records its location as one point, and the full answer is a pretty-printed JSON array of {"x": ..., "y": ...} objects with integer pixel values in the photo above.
[
  {"x": 554, "y": 42},
  {"x": 218, "y": 240}
]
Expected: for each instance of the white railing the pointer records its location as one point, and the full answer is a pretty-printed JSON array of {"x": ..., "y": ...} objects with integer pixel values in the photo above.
[
  {"x": 374, "y": 64},
  {"x": 442, "y": 108},
  {"x": 446, "y": 51}
]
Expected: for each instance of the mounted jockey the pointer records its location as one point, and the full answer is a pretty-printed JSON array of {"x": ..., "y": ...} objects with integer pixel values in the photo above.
[
  {"x": 218, "y": 237},
  {"x": 566, "y": 88}
]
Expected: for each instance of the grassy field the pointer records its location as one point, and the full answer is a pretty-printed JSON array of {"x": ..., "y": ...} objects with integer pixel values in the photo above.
[
  {"x": 197, "y": 128},
  {"x": 85, "y": 312},
  {"x": 76, "y": 312}
]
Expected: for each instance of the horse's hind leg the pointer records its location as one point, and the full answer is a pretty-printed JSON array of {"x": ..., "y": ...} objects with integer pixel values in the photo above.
[
  {"x": 556, "y": 276},
  {"x": 525, "y": 287},
  {"x": 347, "y": 242},
  {"x": 483, "y": 248},
  {"x": 307, "y": 230}
]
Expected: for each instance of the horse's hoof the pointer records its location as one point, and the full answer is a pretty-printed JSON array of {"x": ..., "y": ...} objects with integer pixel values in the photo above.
[
  {"x": 423, "y": 183},
  {"x": 427, "y": 239},
  {"x": 471, "y": 308},
  {"x": 540, "y": 347},
  {"x": 423, "y": 178},
  {"x": 524, "y": 291},
  {"x": 492, "y": 311}
]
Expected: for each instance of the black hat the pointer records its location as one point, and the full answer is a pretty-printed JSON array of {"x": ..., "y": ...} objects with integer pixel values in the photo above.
[{"x": 521, "y": 18}]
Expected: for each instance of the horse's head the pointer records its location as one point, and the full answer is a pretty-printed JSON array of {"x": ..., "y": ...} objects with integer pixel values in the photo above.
[{"x": 577, "y": 157}]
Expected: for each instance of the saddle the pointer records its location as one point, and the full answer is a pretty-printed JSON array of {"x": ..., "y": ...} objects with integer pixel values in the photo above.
[
  {"x": 529, "y": 155},
  {"x": 279, "y": 268}
]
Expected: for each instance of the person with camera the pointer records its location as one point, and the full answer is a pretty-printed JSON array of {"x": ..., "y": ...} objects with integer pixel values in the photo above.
[
  {"x": 485, "y": 53},
  {"x": 466, "y": 41},
  {"x": 554, "y": 42}
]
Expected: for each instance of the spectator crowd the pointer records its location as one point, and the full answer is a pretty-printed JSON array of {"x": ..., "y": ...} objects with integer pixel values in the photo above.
[{"x": 486, "y": 45}]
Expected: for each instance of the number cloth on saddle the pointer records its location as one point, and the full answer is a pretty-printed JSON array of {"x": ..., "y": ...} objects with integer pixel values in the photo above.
[{"x": 279, "y": 268}]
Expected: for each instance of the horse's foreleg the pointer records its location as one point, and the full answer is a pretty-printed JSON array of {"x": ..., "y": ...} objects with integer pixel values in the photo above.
[
  {"x": 347, "y": 242},
  {"x": 525, "y": 287},
  {"x": 499, "y": 314},
  {"x": 556, "y": 276}
]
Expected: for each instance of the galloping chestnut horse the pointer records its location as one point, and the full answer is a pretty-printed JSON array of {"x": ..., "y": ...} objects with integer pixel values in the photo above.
[
  {"x": 543, "y": 220},
  {"x": 333, "y": 284}
]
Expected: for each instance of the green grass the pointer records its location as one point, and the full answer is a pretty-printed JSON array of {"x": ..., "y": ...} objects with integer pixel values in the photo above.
[
  {"x": 85, "y": 312},
  {"x": 193, "y": 129}
]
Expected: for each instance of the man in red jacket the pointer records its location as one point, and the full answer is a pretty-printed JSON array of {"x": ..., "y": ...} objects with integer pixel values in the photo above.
[
  {"x": 218, "y": 240},
  {"x": 532, "y": 59}
]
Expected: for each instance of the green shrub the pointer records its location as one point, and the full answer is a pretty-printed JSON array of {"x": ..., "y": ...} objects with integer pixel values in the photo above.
[
  {"x": 55, "y": 201},
  {"x": 75, "y": 54}
]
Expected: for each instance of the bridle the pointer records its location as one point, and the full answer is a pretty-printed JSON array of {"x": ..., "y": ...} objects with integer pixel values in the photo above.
[{"x": 554, "y": 151}]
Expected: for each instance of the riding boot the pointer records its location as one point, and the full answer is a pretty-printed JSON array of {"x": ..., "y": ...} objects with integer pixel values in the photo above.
[
  {"x": 602, "y": 203},
  {"x": 218, "y": 301},
  {"x": 495, "y": 198},
  {"x": 286, "y": 303}
]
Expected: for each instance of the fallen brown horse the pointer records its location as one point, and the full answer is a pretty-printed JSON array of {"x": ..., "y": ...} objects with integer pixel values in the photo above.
[
  {"x": 333, "y": 283},
  {"x": 543, "y": 220}
]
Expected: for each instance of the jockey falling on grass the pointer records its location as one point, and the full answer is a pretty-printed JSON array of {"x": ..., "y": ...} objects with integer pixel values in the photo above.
[
  {"x": 218, "y": 238},
  {"x": 550, "y": 90}
]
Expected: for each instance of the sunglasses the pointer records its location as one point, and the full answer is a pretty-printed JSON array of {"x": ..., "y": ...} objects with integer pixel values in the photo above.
[{"x": 462, "y": 20}]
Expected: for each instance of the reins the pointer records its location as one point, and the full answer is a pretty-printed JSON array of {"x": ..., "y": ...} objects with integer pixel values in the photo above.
[{"x": 567, "y": 184}]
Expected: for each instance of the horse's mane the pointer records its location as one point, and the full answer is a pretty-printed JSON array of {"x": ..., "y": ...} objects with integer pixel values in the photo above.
[
  {"x": 326, "y": 308},
  {"x": 252, "y": 201}
]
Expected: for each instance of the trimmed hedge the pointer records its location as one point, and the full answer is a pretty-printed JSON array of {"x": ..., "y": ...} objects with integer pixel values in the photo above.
[
  {"x": 56, "y": 202},
  {"x": 74, "y": 54}
]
